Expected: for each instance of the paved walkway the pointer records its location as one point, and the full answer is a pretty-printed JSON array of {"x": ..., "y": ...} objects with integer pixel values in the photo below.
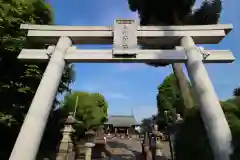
[{"x": 125, "y": 149}]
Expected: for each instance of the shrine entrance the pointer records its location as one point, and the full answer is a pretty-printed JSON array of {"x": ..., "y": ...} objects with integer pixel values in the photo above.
[{"x": 125, "y": 35}]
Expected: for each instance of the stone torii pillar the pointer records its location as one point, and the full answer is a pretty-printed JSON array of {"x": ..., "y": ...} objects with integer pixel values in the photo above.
[
  {"x": 215, "y": 122},
  {"x": 29, "y": 138}
]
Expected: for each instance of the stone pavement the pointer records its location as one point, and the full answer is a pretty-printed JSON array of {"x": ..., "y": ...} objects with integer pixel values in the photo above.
[
  {"x": 125, "y": 149},
  {"x": 121, "y": 151}
]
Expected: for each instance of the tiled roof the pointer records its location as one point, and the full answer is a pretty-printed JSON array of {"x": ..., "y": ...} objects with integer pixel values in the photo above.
[{"x": 122, "y": 121}]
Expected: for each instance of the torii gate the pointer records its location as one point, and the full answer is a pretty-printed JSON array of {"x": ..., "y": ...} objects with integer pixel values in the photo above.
[{"x": 125, "y": 35}]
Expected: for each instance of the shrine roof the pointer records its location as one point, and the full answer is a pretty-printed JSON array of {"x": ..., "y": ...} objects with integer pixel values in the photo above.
[{"x": 122, "y": 120}]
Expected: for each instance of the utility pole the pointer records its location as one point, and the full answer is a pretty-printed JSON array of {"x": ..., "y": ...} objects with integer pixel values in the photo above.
[{"x": 75, "y": 108}]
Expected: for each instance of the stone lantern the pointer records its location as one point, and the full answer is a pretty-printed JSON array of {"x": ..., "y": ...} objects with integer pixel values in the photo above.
[
  {"x": 176, "y": 128},
  {"x": 66, "y": 144},
  {"x": 90, "y": 135},
  {"x": 89, "y": 144},
  {"x": 156, "y": 144}
]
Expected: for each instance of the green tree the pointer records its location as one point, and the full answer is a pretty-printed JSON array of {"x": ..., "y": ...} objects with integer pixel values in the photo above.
[
  {"x": 236, "y": 92},
  {"x": 169, "y": 99},
  {"x": 176, "y": 12},
  {"x": 18, "y": 80},
  {"x": 102, "y": 107},
  {"x": 91, "y": 109},
  {"x": 192, "y": 141}
]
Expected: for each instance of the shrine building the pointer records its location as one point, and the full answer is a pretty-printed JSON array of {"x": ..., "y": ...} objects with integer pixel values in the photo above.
[{"x": 121, "y": 124}]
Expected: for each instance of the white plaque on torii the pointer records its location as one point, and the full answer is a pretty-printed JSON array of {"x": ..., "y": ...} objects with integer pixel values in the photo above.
[{"x": 125, "y": 37}]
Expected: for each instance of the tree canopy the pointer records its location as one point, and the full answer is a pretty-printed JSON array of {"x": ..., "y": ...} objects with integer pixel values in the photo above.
[
  {"x": 169, "y": 99},
  {"x": 236, "y": 92},
  {"x": 193, "y": 138},
  {"x": 19, "y": 80},
  {"x": 176, "y": 12},
  {"x": 91, "y": 109}
]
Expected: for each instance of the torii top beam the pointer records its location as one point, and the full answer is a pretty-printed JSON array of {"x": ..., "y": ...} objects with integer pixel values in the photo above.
[{"x": 159, "y": 35}]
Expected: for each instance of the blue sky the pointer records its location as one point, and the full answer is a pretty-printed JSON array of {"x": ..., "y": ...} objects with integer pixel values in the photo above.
[{"x": 130, "y": 87}]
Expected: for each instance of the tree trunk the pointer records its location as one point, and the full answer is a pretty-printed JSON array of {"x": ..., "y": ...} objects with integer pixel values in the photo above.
[
  {"x": 181, "y": 78},
  {"x": 184, "y": 87}
]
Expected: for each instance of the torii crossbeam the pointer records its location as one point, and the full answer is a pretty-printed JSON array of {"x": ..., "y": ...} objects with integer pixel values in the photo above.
[{"x": 126, "y": 36}]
